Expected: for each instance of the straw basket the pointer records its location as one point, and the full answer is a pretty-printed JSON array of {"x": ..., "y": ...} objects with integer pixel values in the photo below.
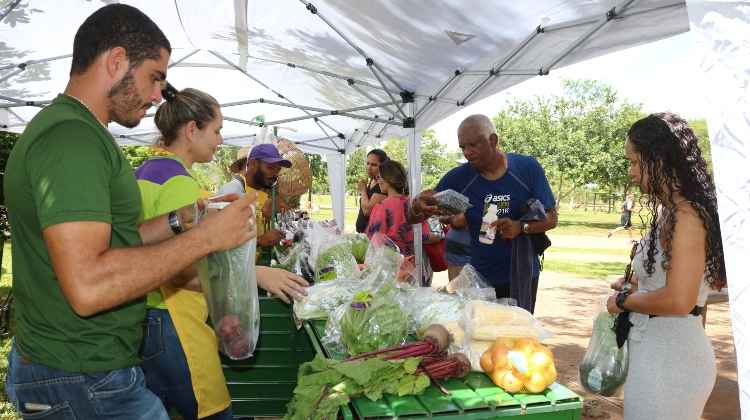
[{"x": 297, "y": 179}]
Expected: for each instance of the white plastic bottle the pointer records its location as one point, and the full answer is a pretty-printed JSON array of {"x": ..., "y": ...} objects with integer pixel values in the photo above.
[{"x": 487, "y": 231}]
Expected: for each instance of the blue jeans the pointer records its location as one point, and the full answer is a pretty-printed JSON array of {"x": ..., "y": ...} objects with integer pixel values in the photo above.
[
  {"x": 166, "y": 367},
  {"x": 41, "y": 392}
]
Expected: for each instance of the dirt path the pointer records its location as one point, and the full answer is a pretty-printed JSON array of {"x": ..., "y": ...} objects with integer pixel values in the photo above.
[{"x": 567, "y": 306}]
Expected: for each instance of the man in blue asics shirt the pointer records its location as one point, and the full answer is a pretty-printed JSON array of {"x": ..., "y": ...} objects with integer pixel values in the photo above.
[{"x": 493, "y": 177}]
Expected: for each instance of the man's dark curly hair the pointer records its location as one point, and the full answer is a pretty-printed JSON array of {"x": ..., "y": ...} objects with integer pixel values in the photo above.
[
  {"x": 669, "y": 156},
  {"x": 117, "y": 25}
]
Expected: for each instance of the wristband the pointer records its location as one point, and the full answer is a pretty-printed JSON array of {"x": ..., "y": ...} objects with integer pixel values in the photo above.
[
  {"x": 174, "y": 222},
  {"x": 620, "y": 300}
]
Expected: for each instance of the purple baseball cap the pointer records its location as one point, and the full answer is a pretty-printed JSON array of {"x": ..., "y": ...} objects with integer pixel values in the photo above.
[{"x": 268, "y": 153}]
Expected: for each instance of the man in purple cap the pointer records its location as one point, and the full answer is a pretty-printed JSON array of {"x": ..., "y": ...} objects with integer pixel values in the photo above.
[{"x": 257, "y": 169}]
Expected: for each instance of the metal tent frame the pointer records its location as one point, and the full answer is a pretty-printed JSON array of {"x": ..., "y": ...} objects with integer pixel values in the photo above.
[{"x": 401, "y": 110}]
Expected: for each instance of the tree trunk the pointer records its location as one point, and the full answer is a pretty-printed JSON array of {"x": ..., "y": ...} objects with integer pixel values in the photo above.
[{"x": 559, "y": 190}]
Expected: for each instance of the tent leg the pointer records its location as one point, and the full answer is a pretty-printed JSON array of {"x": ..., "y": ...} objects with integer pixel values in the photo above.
[
  {"x": 414, "y": 157},
  {"x": 337, "y": 183}
]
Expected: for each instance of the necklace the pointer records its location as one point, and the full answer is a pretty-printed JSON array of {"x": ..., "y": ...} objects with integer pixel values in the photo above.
[{"x": 87, "y": 108}]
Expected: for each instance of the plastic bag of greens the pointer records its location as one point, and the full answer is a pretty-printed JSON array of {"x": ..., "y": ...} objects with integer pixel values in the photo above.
[
  {"x": 382, "y": 261},
  {"x": 604, "y": 367},
  {"x": 359, "y": 244},
  {"x": 231, "y": 291},
  {"x": 288, "y": 258},
  {"x": 323, "y": 298},
  {"x": 331, "y": 253},
  {"x": 370, "y": 322}
]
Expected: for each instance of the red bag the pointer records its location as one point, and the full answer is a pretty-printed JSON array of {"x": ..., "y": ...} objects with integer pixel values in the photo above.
[{"x": 435, "y": 253}]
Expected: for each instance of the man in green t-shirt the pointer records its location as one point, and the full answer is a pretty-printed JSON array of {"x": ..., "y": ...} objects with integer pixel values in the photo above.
[{"x": 82, "y": 264}]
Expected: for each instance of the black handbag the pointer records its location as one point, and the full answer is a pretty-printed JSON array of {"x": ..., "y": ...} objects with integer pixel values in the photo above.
[{"x": 540, "y": 242}]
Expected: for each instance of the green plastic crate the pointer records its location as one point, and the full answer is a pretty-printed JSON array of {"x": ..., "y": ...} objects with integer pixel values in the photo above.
[
  {"x": 473, "y": 397},
  {"x": 262, "y": 385}
]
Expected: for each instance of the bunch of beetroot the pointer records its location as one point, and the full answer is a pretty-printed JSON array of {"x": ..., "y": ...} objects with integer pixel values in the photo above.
[{"x": 436, "y": 363}]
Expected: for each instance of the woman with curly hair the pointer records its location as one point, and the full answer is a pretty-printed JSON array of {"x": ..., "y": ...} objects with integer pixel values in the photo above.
[{"x": 672, "y": 367}]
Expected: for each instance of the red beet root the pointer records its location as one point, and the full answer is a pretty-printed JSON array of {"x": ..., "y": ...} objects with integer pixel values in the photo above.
[
  {"x": 229, "y": 327},
  {"x": 237, "y": 348}
]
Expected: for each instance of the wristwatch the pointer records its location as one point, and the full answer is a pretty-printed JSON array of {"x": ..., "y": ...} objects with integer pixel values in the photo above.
[
  {"x": 174, "y": 222},
  {"x": 524, "y": 228},
  {"x": 620, "y": 299}
]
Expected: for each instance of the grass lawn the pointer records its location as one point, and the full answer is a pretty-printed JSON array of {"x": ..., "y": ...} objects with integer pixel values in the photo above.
[
  {"x": 6, "y": 410},
  {"x": 580, "y": 249}
]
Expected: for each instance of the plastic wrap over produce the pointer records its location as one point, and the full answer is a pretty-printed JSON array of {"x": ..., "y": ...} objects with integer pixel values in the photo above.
[
  {"x": 332, "y": 254},
  {"x": 604, "y": 367},
  {"x": 382, "y": 260},
  {"x": 425, "y": 306},
  {"x": 487, "y": 321},
  {"x": 323, "y": 298},
  {"x": 469, "y": 284},
  {"x": 358, "y": 243},
  {"x": 231, "y": 291},
  {"x": 369, "y": 322}
]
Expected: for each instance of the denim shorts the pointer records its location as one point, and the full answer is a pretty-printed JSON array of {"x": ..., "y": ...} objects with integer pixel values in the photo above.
[{"x": 41, "y": 392}]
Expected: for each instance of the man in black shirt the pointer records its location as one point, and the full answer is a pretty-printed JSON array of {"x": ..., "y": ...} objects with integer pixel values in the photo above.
[{"x": 369, "y": 191}]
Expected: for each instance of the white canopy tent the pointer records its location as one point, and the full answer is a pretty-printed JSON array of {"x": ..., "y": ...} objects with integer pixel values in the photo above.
[
  {"x": 338, "y": 74},
  {"x": 341, "y": 74}
]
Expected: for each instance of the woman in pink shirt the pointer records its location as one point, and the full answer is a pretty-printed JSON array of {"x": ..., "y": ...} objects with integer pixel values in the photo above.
[{"x": 389, "y": 216}]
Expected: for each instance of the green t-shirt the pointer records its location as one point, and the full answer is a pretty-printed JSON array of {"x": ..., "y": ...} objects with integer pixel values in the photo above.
[
  {"x": 165, "y": 185},
  {"x": 66, "y": 167}
]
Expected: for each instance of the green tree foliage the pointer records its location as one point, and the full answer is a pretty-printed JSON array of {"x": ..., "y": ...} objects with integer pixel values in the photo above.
[
  {"x": 7, "y": 141},
  {"x": 209, "y": 175},
  {"x": 136, "y": 155},
  {"x": 436, "y": 160},
  {"x": 700, "y": 128},
  {"x": 319, "y": 170},
  {"x": 578, "y": 137},
  {"x": 214, "y": 174},
  {"x": 355, "y": 169}
]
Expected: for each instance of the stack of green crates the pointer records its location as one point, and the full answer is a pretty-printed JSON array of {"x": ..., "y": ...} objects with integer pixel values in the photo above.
[
  {"x": 474, "y": 397},
  {"x": 262, "y": 385}
]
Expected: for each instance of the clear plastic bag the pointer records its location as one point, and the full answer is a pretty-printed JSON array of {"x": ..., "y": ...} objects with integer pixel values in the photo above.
[
  {"x": 231, "y": 290},
  {"x": 359, "y": 244},
  {"x": 369, "y": 322},
  {"x": 469, "y": 284},
  {"x": 452, "y": 201},
  {"x": 323, "y": 298},
  {"x": 288, "y": 258},
  {"x": 425, "y": 306},
  {"x": 331, "y": 254},
  {"x": 487, "y": 321},
  {"x": 382, "y": 261},
  {"x": 604, "y": 367},
  {"x": 473, "y": 350}
]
